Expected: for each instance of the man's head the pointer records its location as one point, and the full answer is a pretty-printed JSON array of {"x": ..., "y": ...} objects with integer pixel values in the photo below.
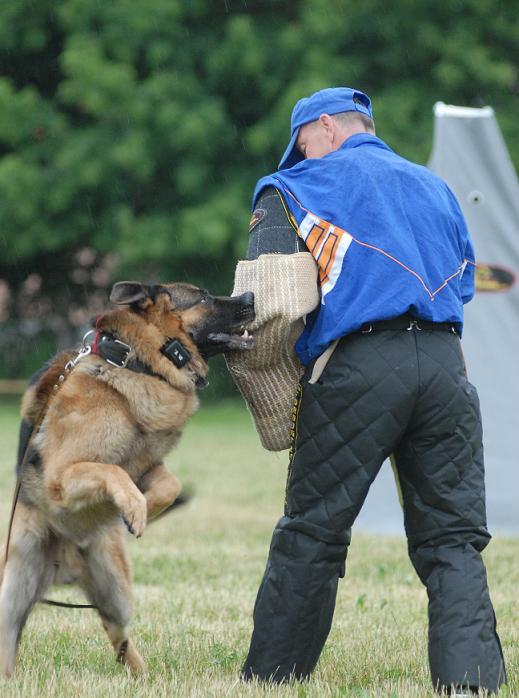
[{"x": 322, "y": 122}]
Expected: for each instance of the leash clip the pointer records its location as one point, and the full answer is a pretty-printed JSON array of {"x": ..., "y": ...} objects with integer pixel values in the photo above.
[
  {"x": 84, "y": 351},
  {"x": 368, "y": 330}
]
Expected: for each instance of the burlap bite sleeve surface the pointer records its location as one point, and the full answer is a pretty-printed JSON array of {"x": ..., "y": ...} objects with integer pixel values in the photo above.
[{"x": 285, "y": 290}]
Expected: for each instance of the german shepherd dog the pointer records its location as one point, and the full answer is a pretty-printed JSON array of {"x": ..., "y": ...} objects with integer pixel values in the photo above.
[{"x": 95, "y": 429}]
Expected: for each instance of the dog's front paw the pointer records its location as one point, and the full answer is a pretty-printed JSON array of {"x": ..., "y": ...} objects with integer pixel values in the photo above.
[{"x": 134, "y": 510}]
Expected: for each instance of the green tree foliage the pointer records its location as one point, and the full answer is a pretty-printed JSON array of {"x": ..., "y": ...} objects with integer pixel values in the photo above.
[{"x": 140, "y": 128}]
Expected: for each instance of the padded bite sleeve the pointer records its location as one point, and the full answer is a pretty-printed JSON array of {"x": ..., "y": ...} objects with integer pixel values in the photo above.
[{"x": 285, "y": 290}]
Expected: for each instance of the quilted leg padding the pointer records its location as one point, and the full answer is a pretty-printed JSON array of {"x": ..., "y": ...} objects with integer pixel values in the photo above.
[
  {"x": 348, "y": 423},
  {"x": 440, "y": 466},
  {"x": 464, "y": 648},
  {"x": 296, "y": 600},
  {"x": 387, "y": 392},
  {"x": 440, "y": 458}
]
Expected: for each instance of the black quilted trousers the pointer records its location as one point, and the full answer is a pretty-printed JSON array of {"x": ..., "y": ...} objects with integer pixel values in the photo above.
[{"x": 391, "y": 392}]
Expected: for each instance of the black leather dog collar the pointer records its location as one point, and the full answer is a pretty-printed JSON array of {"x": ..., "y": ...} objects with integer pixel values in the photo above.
[
  {"x": 116, "y": 352},
  {"x": 112, "y": 350}
]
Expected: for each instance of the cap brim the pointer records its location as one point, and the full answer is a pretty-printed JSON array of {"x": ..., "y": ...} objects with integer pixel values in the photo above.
[{"x": 292, "y": 155}]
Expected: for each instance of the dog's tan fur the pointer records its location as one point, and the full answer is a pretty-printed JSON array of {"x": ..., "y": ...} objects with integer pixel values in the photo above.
[{"x": 101, "y": 443}]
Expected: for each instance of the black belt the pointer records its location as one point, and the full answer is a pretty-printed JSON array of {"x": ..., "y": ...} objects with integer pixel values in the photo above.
[{"x": 406, "y": 322}]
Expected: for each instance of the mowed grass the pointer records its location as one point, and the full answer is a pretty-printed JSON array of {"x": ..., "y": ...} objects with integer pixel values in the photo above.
[{"x": 196, "y": 576}]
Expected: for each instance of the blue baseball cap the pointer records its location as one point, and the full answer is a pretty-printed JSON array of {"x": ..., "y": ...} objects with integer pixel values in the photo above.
[{"x": 332, "y": 100}]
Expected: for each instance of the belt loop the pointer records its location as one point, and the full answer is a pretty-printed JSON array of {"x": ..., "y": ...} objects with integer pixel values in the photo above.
[{"x": 413, "y": 324}]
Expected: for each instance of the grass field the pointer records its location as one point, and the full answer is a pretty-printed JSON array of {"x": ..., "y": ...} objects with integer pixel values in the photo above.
[{"x": 196, "y": 576}]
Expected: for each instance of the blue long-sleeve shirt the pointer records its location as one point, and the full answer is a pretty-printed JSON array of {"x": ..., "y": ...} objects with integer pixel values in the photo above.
[{"x": 388, "y": 235}]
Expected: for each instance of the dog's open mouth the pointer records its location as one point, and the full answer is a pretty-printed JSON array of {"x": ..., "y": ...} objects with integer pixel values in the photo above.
[
  {"x": 231, "y": 342},
  {"x": 224, "y": 329}
]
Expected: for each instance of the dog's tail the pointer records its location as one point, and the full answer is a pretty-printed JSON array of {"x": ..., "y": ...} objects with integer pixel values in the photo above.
[{"x": 183, "y": 498}]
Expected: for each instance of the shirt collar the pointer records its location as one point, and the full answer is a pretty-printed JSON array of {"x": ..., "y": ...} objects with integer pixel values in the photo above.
[{"x": 359, "y": 139}]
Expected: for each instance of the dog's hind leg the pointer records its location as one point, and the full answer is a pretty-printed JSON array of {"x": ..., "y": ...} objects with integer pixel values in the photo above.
[
  {"x": 160, "y": 487},
  {"x": 26, "y": 574},
  {"x": 107, "y": 584}
]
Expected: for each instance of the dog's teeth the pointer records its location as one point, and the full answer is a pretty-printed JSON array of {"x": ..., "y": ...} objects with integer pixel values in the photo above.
[{"x": 245, "y": 334}]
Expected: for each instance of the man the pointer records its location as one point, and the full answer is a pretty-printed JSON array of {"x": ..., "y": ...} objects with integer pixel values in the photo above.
[{"x": 384, "y": 374}]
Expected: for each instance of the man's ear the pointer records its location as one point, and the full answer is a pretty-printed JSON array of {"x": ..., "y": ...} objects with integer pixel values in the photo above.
[
  {"x": 328, "y": 125},
  {"x": 126, "y": 292}
]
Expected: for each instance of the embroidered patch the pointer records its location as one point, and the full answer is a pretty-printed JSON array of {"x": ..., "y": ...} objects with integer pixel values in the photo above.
[{"x": 258, "y": 215}]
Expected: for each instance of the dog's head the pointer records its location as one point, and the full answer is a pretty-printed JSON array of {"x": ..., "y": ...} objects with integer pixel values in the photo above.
[{"x": 215, "y": 324}]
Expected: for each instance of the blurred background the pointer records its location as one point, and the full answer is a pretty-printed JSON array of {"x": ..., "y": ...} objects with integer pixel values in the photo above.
[{"x": 132, "y": 133}]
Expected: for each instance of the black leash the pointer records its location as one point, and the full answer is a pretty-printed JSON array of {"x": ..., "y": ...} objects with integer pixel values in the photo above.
[
  {"x": 63, "y": 604},
  {"x": 18, "y": 485},
  {"x": 16, "y": 495}
]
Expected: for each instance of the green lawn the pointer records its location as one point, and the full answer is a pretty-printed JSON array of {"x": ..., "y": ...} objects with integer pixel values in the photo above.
[{"x": 196, "y": 577}]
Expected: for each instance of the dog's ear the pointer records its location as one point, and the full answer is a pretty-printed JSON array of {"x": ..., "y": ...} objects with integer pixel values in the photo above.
[{"x": 126, "y": 292}]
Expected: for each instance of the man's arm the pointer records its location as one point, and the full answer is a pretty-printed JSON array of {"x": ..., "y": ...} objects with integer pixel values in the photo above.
[{"x": 467, "y": 280}]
